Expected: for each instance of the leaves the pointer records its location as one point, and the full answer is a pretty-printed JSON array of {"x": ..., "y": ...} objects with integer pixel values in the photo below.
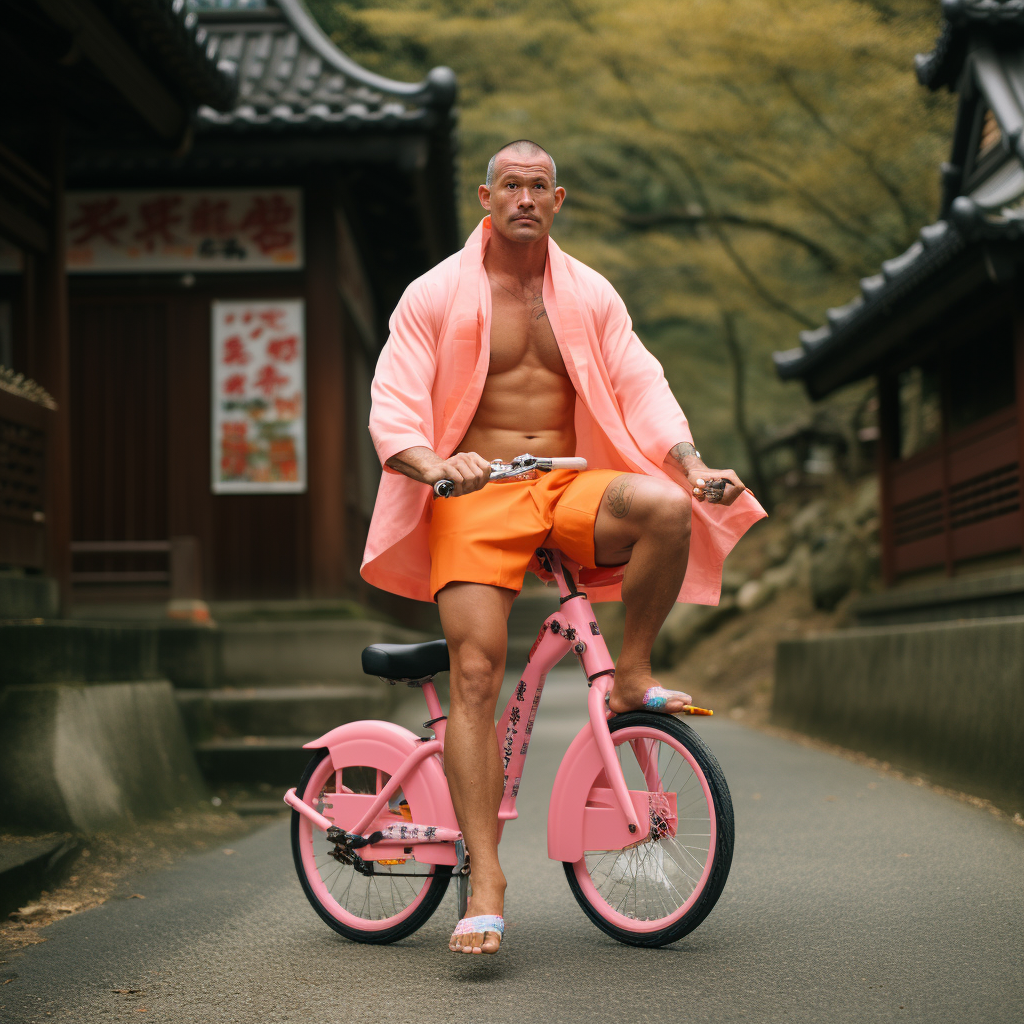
[{"x": 746, "y": 157}]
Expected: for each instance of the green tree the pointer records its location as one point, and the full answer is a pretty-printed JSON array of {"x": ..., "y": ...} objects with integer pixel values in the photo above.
[{"x": 727, "y": 162}]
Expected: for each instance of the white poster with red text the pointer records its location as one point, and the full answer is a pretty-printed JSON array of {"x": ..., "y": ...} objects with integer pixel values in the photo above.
[{"x": 259, "y": 397}]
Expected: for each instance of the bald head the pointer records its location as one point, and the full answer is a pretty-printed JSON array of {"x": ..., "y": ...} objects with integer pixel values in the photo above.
[{"x": 521, "y": 147}]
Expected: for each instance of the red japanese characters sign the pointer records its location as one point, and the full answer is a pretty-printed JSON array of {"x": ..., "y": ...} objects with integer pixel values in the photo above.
[
  {"x": 259, "y": 417},
  {"x": 184, "y": 229}
]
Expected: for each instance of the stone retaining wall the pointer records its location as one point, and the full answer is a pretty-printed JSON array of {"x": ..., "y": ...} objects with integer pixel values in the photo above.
[
  {"x": 945, "y": 699},
  {"x": 81, "y": 757}
]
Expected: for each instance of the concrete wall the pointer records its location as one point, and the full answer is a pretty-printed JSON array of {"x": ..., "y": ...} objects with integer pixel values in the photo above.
[
  {"x": 82, "y": 757},
  {"x": 26, "y": 596},
  {"x": 946, "y": 699}
]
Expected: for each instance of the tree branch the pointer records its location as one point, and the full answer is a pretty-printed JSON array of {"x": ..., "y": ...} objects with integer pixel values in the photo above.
[
  {"x": 678, "y": 218},
  {"x": 868, "y": 159}
]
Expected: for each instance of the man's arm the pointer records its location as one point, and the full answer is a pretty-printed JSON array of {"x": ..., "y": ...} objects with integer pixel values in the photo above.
[
  {"x": 467, "y": 470},
  {"x": 715, "y": 486}
]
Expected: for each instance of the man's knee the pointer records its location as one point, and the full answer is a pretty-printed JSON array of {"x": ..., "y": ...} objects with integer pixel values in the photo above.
[
  {"x": 476, "y": 675},
  {"x": 668, "y": 509}
]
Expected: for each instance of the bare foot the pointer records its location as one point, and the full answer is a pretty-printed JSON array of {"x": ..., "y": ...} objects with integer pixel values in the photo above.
[
  {"x": 481, "y": 904},
  {"x": 632, "y": 685}
]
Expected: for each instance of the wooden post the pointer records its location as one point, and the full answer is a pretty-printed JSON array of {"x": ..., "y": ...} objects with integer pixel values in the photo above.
[
  {"x": 888, "y": 436},
  {"x": 1018, "y": 350},
  {"x": 49, "y": 365},
  {"x": 326, "y": 399},
  {"x": 186, "y": 569}
]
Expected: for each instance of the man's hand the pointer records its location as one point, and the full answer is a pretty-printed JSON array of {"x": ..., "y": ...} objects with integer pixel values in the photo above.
[
  {"x": 715, "y": 486},
  {"x": 466, "y": 470}
]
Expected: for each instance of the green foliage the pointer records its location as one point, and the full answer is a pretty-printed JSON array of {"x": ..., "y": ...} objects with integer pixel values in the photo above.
[{"x": 749, "y": 157}]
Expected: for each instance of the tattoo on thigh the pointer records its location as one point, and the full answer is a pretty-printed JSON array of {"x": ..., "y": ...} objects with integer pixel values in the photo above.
[{"x": 620, "y": 499}]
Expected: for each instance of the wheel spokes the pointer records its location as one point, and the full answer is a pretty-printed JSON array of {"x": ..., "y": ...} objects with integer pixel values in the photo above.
[{"x": 653, "y": 880}]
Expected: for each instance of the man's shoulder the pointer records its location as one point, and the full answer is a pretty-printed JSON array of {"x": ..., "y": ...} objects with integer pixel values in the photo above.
[{"x": 436, "y": 282}]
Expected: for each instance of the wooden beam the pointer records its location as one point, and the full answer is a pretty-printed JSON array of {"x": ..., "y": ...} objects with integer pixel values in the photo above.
[
  {"x": 22, "y": 229},
  {"x": 118, "y": 62}
]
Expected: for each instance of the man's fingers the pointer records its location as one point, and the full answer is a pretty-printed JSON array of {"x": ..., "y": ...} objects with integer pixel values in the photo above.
[{"x": 718, "y": 487}]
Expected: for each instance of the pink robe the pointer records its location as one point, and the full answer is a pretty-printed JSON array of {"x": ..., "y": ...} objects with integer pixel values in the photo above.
[{"x": 430, "y": 377}]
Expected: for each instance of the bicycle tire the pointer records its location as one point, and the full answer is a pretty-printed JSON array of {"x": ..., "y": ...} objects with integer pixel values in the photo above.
[
  {"x": 409, "y": 921},
  {"x": 715, "y": 874}
]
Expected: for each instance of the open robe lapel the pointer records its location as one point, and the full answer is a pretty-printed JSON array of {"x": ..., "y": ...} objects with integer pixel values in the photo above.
[
  {"x": 465, "y": 345},
  {"x": 581, "y": 351}
]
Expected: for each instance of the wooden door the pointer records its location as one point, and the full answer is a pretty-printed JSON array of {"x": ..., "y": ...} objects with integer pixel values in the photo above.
[{"x": 119, "y": 438}]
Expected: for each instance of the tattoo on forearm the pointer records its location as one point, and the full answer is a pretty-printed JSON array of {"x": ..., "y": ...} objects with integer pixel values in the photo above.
[
  {"x": 620, "y": 499},
  {"x": 683, "y": 450}
]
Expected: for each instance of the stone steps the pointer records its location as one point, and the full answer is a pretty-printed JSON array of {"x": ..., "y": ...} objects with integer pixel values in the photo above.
[
  {"x": 283, "y": 683},
  {"x": 276, "y": 760},
  {"x": 301, "y": 709}
]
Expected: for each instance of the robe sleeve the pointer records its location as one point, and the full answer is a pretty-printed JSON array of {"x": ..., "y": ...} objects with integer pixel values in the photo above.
[
  {"x": 401, "y": 414},
  {"x": 650, "y": 410}
]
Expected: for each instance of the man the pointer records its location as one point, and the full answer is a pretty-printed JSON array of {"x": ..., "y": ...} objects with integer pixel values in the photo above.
[{"x": 507, "y": 347}]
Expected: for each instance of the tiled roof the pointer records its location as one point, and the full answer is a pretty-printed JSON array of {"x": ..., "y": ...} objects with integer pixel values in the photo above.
[
  {"x": 937, "y": 245},
  {"x": 942, "y": 66},
  {"x": 290, "y": 75},
  {"x": 992, "y": 211},
  {"x": 169, "y": 34}
]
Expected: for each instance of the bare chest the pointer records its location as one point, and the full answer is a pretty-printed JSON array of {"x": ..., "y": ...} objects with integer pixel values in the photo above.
[{"x": 521, "y": 334}]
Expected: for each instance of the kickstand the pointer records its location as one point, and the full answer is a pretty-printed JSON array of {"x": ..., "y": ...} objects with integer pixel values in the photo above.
[{"x": 462, "y": 877}]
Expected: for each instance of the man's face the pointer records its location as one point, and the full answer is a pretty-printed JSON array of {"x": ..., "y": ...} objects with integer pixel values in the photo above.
[{"x": 522, "y": 199}]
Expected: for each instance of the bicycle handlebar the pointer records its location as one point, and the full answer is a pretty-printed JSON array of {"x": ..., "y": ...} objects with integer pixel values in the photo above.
[{"x": 519, "y": 465}]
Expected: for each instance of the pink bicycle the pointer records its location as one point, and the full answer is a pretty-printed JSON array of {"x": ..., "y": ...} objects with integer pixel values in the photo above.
[{"x": 640, "y": 813}]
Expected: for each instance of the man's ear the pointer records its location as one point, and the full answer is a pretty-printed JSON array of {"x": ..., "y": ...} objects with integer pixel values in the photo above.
[
  {"x": 559, "y": 198},
  {"x": 484, "y": 193}
]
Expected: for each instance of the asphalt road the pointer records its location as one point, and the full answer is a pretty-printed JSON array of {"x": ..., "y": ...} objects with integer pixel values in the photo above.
[{"x": 853, "y": 897}]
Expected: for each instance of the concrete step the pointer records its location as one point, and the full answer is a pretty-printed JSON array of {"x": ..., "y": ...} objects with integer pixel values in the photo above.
[
  {"x": 276, "y": 760},
  {"x": 308, "y": 709},
  {"x": 272, "y": 653},
  {"x": 27, "y": 866}
]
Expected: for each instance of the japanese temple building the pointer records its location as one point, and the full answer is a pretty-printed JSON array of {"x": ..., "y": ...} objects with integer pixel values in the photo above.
[
  {"x": 941, "y": 326},
  {"x": 208, "y": 235}
]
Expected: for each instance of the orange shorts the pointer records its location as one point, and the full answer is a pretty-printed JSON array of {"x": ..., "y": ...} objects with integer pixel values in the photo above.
[{"x": 490, "y": 536}]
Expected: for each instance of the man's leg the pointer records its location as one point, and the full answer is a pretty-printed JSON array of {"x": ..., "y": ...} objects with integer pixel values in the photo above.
[
  {"x": 474, "y": 618},
  {"x": 644, "y": 523}
]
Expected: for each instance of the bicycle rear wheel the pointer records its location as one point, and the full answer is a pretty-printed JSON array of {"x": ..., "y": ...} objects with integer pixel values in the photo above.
[
  {"x": 655, "y": 892},
  {"x": 368, "y": 901}
]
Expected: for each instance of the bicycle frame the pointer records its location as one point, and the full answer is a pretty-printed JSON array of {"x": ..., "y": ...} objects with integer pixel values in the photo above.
[{"x": 572, "y": 628}]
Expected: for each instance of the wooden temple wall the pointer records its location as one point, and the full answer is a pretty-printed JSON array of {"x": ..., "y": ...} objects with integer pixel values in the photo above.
[
  {"x": 960, "y": 498},
  {"x": 141, "y": 409}
]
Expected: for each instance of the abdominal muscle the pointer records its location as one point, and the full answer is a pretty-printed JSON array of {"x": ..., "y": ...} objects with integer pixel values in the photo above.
[{"x": 528, "y": 409}]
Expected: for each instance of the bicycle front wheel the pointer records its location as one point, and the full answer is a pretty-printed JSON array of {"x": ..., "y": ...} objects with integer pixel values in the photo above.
[
  {"x": 660, "y": 889},
  {"x": 368, "y": 901}
]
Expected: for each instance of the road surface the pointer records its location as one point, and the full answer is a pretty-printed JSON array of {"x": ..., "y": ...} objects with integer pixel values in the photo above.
[{"x": 854, "y": 896}]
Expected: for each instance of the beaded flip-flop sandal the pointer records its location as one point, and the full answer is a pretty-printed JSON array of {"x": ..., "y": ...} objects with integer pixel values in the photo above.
[
  {"x": 481, "y": 925},
  {"x": 657, "y": 697}
]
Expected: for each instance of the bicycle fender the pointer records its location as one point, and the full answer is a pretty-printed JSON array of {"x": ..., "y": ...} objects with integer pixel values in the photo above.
[
  {"x": 388, "y": 745},
  {"x": 573, "y": 826}
]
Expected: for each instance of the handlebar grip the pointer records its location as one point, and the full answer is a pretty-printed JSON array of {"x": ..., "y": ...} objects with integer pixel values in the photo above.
[{"x": 443, "y": 489}]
